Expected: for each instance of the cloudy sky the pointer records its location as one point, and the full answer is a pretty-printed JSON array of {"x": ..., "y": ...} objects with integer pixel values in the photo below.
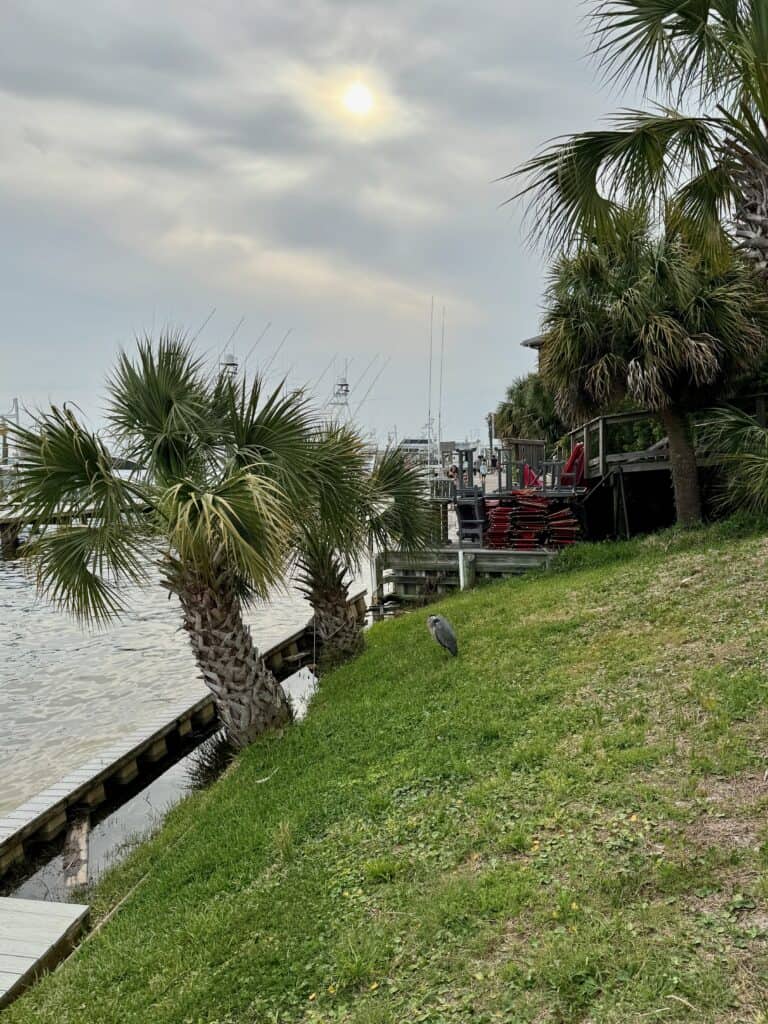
[{"x": 161, "y": 160}]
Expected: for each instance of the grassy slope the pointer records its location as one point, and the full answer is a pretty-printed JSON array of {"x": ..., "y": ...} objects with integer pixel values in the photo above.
[{"x": 565, "y": 823}]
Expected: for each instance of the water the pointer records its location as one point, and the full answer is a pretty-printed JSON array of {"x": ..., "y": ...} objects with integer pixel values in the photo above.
[{"x": 67, "y": 692}]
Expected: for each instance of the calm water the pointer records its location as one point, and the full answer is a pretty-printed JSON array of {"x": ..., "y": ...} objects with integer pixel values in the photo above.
[{"x": 67, "y": 692}]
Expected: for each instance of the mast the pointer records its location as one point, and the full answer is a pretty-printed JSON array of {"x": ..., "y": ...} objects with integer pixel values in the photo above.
[
  {"x": 429, "y": 386},
  {"x": 440, "y": 393}
]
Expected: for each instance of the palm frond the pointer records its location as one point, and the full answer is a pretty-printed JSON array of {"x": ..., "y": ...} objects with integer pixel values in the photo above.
[
  {"x": 82, "y": 569},
  {"x": 676, "y": 45},
  {"x": 65, "y": 474},
  {"x": 159, "y": 407},
  {"x": 339, "y": 479},
  {"x": 395, "y": 507},
  {"x": 741, "y": 444},
  {"x": 320, "y": 568},
  {"x": 576, "y": 187},
  {"x": 239, "y": 525},
  {"x": 63, "y": 468}
]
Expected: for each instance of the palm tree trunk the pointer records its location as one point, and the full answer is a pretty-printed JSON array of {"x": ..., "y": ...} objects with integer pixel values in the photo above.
[
  {"x": 339, "y": 629},
  {"x": 248, "y": 698},
  {"x": 751, "y": 213},
  {"x": 682, "y": 464}
]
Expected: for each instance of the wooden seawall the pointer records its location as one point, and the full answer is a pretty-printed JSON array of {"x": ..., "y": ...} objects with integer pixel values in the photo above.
[
  {"x": 166, "y": 739},
  {"x": 428, "y": 574}
]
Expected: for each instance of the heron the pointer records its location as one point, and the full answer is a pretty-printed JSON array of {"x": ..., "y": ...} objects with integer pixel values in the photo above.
[{"x": 442, "y": 631}]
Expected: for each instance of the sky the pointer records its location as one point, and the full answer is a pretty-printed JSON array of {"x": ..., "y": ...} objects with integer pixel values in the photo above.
[{"x": 160, "y": 161}]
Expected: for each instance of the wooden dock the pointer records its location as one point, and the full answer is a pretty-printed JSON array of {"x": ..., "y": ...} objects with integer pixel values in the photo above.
[
  {"x": 34, "y": 937},
  {"x": 431, "y": 573},
  {"x": 120, "y": 769}
]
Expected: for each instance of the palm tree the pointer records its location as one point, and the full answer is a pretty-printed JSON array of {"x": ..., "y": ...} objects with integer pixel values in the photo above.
[
  {"x": 652, "y": 320},
  {"x": 741, "y": 444},
  {"x": 712, "y": 166},
  {"x": 384, "y": 507},
  {"x": 222, "y": 469},
  {"x": 528, "y": 410}
]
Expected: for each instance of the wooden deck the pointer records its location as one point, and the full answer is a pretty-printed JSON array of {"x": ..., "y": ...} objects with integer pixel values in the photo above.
[
  {"x": 414, "y": 578},
  {"x": 34, "y": 937}
]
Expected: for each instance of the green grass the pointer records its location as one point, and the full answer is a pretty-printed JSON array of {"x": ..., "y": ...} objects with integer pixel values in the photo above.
[{"x": 565, "y": 823}]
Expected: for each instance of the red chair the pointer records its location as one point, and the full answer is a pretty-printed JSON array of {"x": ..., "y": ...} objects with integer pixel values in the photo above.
[
  {"x": 573, "y": 471},
  {"x": 529, "y": 477}
]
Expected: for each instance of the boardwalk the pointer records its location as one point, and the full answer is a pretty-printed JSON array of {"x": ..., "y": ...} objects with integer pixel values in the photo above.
[{"x": 34, "y": 937}]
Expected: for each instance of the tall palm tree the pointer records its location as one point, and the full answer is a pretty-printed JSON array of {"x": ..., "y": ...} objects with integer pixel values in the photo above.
[
  {"x": 652, "y": 320},
  {"x": 528, "y": 410},
  {"x": 383, "y": 507},
  {"x": 712, "y": 163},
  {"x": 222, "y": 470}
]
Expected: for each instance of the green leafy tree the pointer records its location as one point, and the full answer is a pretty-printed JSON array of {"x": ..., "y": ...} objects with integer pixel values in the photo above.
[
  {"x": 528, "y": 411},
  {"x": 651, "y": 320},
  {"x": 712, "y": 164},
  {"x": 223, "y": 469},
  {"x": 382, "y": 508}
]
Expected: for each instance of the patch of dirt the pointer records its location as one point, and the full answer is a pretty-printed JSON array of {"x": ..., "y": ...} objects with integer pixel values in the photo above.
[
  {"x": 725, "y": 831},
  {"x": 755, "y": 920},
  {"x": 511, "y": 939},
  {"x": 744, "y": 791}
]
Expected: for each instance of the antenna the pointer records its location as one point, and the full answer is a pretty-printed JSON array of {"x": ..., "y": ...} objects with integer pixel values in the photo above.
[
  {"x": 253, "y": 346},
  {"x": 237, "y": 327},
  {"x": 429, "y": 386},
  {"x": 319, "y": 380},
  {"x": 382, "y": 368},
  {"x": 200, "y": 329},
  {"x": 440, "y": 392},
  {"x": 277, "y": 350},
  {"x": 364, "y": 374}
]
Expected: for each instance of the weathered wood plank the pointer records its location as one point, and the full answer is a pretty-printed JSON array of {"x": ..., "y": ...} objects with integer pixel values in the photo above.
[
  {"x": 34, "y": 937},
  {"x": 15, "y": 964}
]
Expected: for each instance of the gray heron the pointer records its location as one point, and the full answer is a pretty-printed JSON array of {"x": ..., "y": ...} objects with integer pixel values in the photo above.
[{"x": 442, "y": 631}]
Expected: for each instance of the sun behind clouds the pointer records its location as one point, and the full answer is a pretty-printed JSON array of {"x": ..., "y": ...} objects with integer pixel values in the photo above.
[{"x": 358, "y": 99}]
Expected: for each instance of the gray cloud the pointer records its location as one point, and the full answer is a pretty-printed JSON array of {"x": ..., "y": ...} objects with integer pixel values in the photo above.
[{"x": 159, "y": 160}]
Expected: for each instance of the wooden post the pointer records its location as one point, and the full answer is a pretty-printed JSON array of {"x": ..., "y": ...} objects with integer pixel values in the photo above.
[
  {"x": 467, "y": 569},
  {"x": 624, "y": 502},
  {"x": 9, "y": 538},
  {"x": 586, "y": 450},
  {"x": 76, "y": 853},
  {"x": 470, "y": 569},
  {"x": 601, "y": 444}
]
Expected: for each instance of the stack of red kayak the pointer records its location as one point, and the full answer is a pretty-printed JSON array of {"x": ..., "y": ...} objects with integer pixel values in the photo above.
[
  {"x": 529, "y": 519},
  {"x": 499, "y": 530},
  {"x": 562, "y": 528},
  {"x": 525, "y": 521}
]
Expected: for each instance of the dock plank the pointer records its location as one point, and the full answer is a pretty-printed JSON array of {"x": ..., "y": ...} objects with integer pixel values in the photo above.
[{"x": 34, "y": 937}]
